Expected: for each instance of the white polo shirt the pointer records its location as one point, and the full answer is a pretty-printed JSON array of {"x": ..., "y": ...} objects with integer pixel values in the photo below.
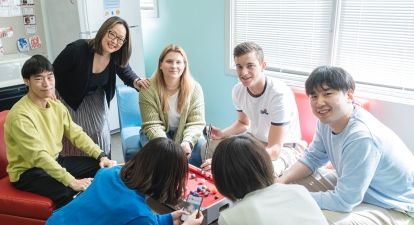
[{"x": 276, "y": 105}]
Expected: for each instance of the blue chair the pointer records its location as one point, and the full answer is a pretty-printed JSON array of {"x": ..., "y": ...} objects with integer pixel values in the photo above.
[{"x": 129, "y": 119}]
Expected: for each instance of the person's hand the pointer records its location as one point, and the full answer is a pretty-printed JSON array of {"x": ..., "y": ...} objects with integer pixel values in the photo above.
[
  {"x": 206, "y": 166},
  {"x": 185, "y": 146},
  {"x": 272, "y": 153},
  {"x": 216, "y": 133},
  {"x": 280, "y": 180},
  {"x": 196, "y": 218},
  {"x": 105, "y": 162},
  {"x": 80, "y": 184},
  {"x": 176, "y": 216},
  {"x": 141, "y": 84}
]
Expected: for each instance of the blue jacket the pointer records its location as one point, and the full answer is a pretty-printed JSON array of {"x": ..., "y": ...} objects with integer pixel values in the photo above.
[{"x": 108, "y": 201}]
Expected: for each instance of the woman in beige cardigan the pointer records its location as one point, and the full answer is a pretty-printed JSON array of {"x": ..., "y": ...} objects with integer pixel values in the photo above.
[{"x": 173, "y": 105}]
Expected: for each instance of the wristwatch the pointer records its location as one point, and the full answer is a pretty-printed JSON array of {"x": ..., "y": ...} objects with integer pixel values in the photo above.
[{"x": 101, "y": 155}]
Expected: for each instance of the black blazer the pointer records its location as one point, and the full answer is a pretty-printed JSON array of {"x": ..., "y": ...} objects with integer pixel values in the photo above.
[{"x": 73, "y": 70}]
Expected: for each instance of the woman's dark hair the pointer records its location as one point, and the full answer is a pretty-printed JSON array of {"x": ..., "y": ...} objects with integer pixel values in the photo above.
[
  {"x": 35, "y": 65},
  {"x": 124, "y": 53},
  {"x": 158, "y": 170},
  {"x": 241, "y": 165},
  {"x": 333, "y": 77}
]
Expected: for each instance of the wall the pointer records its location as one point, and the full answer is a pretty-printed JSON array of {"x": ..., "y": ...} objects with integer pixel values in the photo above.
[
  {"x": 398, "y": 117},
  {"x": 19, "y": 31},
  {"x": 198, "y": 26}
]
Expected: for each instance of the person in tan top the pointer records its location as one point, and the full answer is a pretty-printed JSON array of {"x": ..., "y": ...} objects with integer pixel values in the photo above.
[
  {"x": 173, "y": 104},
  {"x": 34, "y": 129}
]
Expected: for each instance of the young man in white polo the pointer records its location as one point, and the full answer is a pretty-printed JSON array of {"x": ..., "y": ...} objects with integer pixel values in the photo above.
[{"x": 265, "y": 106}]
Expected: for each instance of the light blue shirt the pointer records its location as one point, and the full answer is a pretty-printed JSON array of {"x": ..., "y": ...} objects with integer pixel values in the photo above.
[
  {"x": 373, "y": 165},
  {"x": 108, "y": 201}
]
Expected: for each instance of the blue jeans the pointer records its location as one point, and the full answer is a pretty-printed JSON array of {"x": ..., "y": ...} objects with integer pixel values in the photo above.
[{"x": 195, "y": 158}]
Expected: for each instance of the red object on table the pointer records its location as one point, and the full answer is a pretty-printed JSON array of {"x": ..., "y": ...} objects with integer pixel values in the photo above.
[
  {"x": 196, "y": 182},
  {"x": 213, "y": 202}
]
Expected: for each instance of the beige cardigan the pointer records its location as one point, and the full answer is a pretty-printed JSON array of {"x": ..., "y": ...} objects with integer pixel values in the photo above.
[{"x": 155, "y": 122}]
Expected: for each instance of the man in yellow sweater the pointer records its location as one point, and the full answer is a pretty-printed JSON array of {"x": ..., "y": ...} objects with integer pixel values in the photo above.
[{"x": 34, "y": 129}]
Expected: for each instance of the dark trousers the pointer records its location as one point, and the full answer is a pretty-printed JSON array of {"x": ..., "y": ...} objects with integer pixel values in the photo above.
[{"x": 36, "y": 180}]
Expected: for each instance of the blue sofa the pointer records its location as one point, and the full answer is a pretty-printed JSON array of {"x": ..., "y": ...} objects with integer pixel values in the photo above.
[{"x": 129, "y": 119}]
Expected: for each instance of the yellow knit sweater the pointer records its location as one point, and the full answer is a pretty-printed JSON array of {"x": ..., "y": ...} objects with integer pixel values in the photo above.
[{"x": 33, "y": 137}]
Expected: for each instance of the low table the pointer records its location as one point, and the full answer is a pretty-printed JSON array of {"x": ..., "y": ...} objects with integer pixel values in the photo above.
[{"x": 202, "y": 183}]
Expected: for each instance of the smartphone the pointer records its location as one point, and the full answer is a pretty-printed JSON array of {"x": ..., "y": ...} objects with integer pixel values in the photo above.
[{"x": 191, "y": 205}]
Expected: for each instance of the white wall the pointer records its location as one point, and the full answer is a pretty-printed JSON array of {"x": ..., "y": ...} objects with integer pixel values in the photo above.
[{"x": 398, "y": 117}]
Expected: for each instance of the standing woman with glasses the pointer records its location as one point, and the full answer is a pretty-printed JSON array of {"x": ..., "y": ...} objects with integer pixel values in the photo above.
[{"x": 85, "y": 79}]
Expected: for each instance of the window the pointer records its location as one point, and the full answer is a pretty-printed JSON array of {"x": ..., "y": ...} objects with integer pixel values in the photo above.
[
  {"x": 372, "y": 39},
  {"x": 149, "y": 8}
]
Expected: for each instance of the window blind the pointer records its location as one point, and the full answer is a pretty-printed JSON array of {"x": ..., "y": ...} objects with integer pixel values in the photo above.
[
  {"x": 375, "y": 42},
  {"x": 372, "y": 39},
  {"x": 295, "y": 35}
]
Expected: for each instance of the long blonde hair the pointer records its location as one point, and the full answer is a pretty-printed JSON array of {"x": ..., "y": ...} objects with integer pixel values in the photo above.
[{"x": 186, "y": 81}]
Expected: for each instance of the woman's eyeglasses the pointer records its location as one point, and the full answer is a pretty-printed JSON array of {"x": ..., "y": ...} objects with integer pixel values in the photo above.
[{"x": 112, "y": 35}]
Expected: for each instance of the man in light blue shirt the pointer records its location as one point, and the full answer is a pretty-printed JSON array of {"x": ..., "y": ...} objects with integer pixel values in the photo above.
[{"x": 374, "y": 168}]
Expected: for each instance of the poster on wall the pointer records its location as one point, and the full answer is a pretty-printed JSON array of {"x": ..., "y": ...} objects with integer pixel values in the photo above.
[
  {"x": 1, "y": 48},
  {"x": 23, "y": 44},
  {"x": 27, "y": 2},
  {"x": 35, "y": 42},
  {"x": 10, "y": 8},
  {"x": 30, "y": 29},
  {"x": 29, "y": 20},
  {"x": 111, "y": 7},
  {"x": 6, "y": 32},
  {"x": 27, "y": 10}
]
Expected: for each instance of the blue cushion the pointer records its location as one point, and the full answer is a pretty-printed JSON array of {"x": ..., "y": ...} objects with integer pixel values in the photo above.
[
  {"x": 129, "y": 119},
  {"x": 128, "y": 107},
  {"x": 130, "y": 141},
  {"x": 130, "y": 137}
]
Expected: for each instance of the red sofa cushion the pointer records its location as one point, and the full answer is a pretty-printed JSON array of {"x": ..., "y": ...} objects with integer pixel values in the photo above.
[
  {"x": 3, "y": 158},
  {"x": 307, "y": 120},
  {"x": 19, "y": 207},
  {"x": 23, "y": 204},
  {"x": 16, "y": 220}
]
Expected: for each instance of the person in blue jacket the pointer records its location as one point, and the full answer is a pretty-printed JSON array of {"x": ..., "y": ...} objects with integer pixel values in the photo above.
[
  {"x": 118, "y": 195},
  {"x": 373, "y": 181}
]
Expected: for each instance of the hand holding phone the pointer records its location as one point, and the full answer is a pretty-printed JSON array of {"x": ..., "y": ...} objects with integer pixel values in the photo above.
[{"x": 191, "y": 205}]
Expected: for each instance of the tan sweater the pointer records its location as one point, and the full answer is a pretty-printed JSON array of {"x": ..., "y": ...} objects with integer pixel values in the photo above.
[
  {"x": 33, "y": 137},
  {"x": 155, "y": 122}
]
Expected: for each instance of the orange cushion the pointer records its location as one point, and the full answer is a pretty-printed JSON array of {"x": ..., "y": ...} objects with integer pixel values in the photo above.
[{"x": 23, "y": 204}]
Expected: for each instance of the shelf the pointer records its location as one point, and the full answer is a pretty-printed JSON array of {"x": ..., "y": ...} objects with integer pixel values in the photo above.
[{"x": 17, "y": 57}]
